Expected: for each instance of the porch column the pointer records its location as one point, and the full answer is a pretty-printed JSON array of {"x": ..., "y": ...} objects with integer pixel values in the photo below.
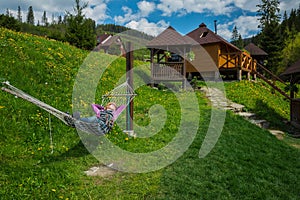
[
  {"x": 151, "y": 66},
  {"x": 254, "y": 76},
  {"x": 248, "y": 76},
  {"x": 239, "y": 74},
  {"x": 184, "y": 70}
]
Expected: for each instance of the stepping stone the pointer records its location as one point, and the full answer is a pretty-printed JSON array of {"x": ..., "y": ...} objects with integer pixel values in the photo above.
[
  {"x": 237, "y": 107},
  {"x": 261, "y": 123},
  {"x": 276, "y": 132},
  {"x": 247, "y": 115},
  {"x": 101, "y": 170},
  {"x": 279, "y": 134}
]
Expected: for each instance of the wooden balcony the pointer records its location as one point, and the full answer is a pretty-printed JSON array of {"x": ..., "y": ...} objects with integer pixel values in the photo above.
[{"x": 168, "y": 71}]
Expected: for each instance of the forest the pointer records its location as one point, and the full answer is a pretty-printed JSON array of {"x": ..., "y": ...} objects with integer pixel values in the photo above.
[{"x": 279, "y": 35}]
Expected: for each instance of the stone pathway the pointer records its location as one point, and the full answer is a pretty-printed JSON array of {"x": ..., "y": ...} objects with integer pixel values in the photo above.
[{"x": 218, "y": 100}]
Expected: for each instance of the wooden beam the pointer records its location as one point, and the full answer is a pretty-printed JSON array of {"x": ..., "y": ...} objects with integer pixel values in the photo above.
[{"x": 129, "y": 76}]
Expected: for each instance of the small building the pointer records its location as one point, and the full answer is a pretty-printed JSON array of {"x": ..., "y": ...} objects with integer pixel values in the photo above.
[
  {"x": 292, "y": 74},
  {"x": 110, "y": 44},
  {"x": 167, "y": 52},
  {"x": 257, "y": 53},
  {"x": 228, "y": 59}
]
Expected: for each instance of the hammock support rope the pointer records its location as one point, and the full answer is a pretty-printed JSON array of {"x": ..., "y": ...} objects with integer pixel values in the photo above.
[{"x": 119, "y": 95}]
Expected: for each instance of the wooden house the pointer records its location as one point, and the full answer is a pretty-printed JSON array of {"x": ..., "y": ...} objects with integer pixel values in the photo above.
[
  {"x": 228, "y": 59},
  {"x": 110, "y": 44}
]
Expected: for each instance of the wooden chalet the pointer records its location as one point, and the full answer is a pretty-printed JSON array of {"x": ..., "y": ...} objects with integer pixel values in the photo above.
[
  {"x": 226, "y": 58},
  {"x": 110, "y": 44},
  {"x": 167, "y": 56}
]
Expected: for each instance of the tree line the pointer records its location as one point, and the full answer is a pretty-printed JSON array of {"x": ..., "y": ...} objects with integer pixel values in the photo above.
[
  {"x": 279, "y": 35},
  {"x": 74, "y": 27}
]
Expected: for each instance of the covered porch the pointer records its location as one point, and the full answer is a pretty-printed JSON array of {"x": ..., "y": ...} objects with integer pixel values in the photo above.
[{"x": 167, "y": 57}]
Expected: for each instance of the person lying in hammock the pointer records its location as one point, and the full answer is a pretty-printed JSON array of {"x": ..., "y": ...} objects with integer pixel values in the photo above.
[{"x": 104, "y": 116}]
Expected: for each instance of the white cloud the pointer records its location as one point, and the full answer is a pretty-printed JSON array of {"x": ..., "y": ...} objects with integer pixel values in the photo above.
[
  {"x": 287, "y": 5},
  {"x": 97, "y": 12},
  {"x": 246, "y": 26},
  {"x": 56, "y": 8},
  {"x": 127, "y": 17},
  {"x": 146, "y": 8},
  {"x": 148, "y": 27},
  {"x": 170, "y": 6},
  {"x": 247, "y": 5},
  {"x": 216, "y": 7}
]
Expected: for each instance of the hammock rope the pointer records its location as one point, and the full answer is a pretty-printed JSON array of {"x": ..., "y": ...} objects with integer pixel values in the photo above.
[{"x": 121, "y": 95}]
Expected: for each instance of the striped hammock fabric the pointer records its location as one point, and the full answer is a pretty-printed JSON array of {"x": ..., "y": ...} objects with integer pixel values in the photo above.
[{"x": 121, "y": 95}]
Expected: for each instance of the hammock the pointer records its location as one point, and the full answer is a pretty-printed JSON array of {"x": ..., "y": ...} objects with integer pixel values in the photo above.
[{"x": 121, "y": 95}]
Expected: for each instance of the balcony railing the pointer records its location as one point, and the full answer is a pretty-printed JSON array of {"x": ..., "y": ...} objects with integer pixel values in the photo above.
[{"x": 167, "y": 71}]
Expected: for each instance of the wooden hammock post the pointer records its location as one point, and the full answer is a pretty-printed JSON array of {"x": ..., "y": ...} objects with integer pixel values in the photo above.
[{"x": 129, "y": 76}]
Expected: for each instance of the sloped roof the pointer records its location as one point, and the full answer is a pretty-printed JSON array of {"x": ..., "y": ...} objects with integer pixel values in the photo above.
[
  {"x": 203, "y": 36},
  {"x": 255, "y": 50},
  {"x": 106, "y": 40},
  {"x": 292, "y": 72},
  {"x": 293, "y": 69},
  {"x": 169, "y": 37}
]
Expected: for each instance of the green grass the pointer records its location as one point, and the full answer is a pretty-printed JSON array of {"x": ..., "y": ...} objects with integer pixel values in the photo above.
[
  {"x": 260, "y": 98},
  {"x": 246, "y": 163}
]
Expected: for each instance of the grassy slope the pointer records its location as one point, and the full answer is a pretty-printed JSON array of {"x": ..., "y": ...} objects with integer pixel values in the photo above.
[
  {"x": 246, "y": 163},
  {"x": 260, "y": 98}
]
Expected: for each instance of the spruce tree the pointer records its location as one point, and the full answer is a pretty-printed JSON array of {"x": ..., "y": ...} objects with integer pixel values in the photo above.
[
  {"x": 45, "y": 19},
  {"x": 236, "y": 38},
  {"x": 19, "y": 17},
  {"x": 240, "y": 42},
  {"x": 235, "y": 35},
  {"x": 270, "y": 37},
  {"x": 80, "y": 31},
  {"x": 30, "y": 16}
]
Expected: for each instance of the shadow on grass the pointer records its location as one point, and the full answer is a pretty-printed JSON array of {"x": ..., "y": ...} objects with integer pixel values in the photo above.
[
  {"x": 77, "y": 151},
  {"x": 264, "y": 111}
]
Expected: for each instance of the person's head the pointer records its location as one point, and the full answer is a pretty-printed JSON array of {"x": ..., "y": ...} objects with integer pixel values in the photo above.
[{"x": 111, "y": 106}]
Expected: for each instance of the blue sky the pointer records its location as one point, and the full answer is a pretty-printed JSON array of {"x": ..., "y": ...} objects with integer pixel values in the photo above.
[{"x": 152, "y": 17}]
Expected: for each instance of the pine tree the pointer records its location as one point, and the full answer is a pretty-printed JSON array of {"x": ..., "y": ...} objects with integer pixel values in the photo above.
[
  {"x": 270, "y": 37},
  {"x": 53, "y": 20},
  {"x": 30, "y": 16},
  {"x": 297, "y": 24},
  {"x": 268, "y": 11},
  {"x": 235, "y": 35},
  {"x": 240, "y": 42},
  {"x": 8, "y": 13},
  {"x": 59, "y": 21},
  {"x": 236, "y": 38},
  {"x": 80, "y": 31},
  {"x": 19, "y": 17},
  {"x": 45, "y": 19}
]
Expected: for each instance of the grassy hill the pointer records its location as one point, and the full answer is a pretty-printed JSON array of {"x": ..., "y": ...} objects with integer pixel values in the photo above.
[{"x": 246, "y": 163}]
